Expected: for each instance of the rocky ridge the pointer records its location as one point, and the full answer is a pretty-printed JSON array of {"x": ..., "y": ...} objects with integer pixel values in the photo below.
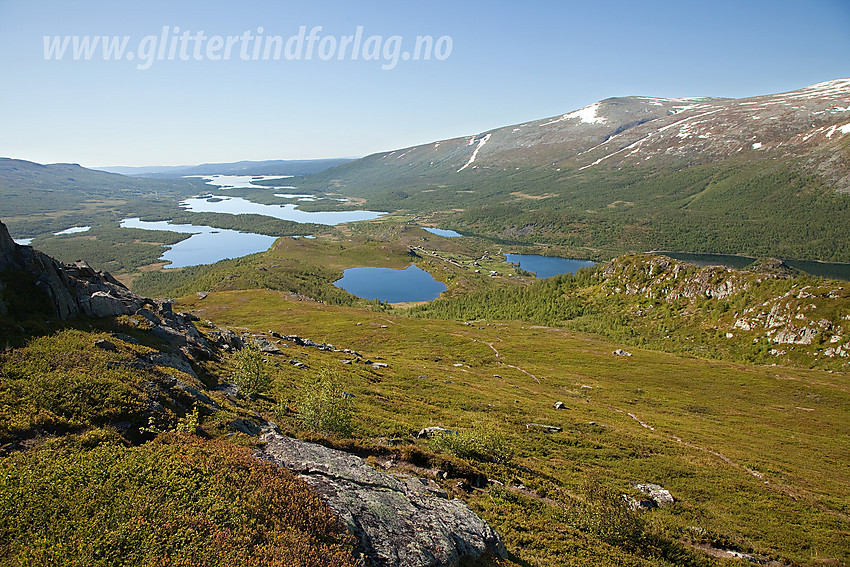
[
  {"x": 79, "y": 290},
  {"x": 811, "y": 313}
]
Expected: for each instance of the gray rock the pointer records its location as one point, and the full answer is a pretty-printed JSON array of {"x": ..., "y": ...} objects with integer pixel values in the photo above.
[
  {"x": 397, "y": 522},
  {"x": 245, "y": 426},
  {"x": 544, "y": 428},
  {"x": 105, "y": 345},
  {"x": 226, "y": 338},
  {"x": 427, "y": 432},
  {"x": 149, "y": 315},
  {"x": 231, "y": 390},
  {"x": 170, "y": 335},
  {"x": 173, "y": 360},
  {"x": 266, "y": 346},
  {"x": 657, "y": 494},
  {"x": 102, "y": 304},
  {"x": 621, "y": 352},
  {"x": 642, "y": 504},
  {"x": 126, "y": 338},
  {"x": 559, "y": 405},
  {"x": 194, "y": 395}
]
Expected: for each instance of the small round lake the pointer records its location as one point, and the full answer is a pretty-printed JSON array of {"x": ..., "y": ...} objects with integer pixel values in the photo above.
[
  {"x": 395, "y": 286},
  {"x": 547, "y": 266}
]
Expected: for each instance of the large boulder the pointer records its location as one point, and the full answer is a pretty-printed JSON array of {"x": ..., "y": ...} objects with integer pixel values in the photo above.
[
  {"x": 398, "y": 522},
  {"x": 102, "y": 304}
]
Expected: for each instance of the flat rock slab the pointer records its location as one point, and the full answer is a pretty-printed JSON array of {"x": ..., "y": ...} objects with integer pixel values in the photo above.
[{"x": 397, "y": 521}]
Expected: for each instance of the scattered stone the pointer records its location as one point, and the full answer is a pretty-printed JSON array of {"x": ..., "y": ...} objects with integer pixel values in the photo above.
[
  {"x": 105, "y": 345},
  {"x": 544, "y": 428},
  {"x": 202, "y": 295},
  {"x": 621, "y": 352},
  {"x": 427, "y": 432},
  {"x": 126, "y": 338},
  {"x": 194, "y": 395},
  {"x": 231, "y": 390},
  {"x": 635, "y": 504},
  {"x": 379, "y": 365},
  {"x": 267, "y": 347},
  {"x": 659, "y": 496},
  {"x": 559, "y": 405},
  {"x": 347, "y": 395}
]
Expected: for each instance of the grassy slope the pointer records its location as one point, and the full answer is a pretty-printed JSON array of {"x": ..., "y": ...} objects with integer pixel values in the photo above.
[
  {"x": 754, "y": 455},
  {"x": 75, "y": 491}
]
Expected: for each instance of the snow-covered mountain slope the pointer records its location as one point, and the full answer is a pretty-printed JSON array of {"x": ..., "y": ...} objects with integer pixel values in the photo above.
[{"x": 812, "y": 123}]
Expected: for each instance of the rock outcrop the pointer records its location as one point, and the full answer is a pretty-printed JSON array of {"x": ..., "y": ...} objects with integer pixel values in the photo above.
[
  {"x": 398, "y": 522},
  {"x": 810, "y": 313},
  {"x": 79, "y": 290}
]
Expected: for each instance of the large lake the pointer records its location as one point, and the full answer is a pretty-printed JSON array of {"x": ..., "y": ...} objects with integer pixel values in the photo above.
[
  {"x": 395, "y": 286},
  {"x": 240, "y": 206},
  {"x": 206, "y": 245},
  {"x": 547, "y": 266},
  {"x": 242, "y": 181}
]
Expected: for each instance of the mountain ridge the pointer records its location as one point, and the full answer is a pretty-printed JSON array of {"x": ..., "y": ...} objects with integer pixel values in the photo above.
[
  {"x": 688, "y": 130},
  {"x": 244, "y": 167}
]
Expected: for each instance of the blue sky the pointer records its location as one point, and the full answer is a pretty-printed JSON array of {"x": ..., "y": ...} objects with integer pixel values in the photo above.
[{"x": 509, "y": 62}]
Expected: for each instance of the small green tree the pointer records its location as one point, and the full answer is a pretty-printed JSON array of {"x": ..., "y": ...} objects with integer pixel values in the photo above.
[
  {"x": 323, "y": 406},
  {"x": 482, "y": 443},
  {"x": 249, "y": 370}
]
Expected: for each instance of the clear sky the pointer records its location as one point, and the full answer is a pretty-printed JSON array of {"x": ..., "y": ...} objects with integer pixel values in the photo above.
[{"x": 498, "y": 63}]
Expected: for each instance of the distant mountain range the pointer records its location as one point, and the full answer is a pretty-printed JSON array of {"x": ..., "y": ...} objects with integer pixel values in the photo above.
[{"x": 296, "y": 167}]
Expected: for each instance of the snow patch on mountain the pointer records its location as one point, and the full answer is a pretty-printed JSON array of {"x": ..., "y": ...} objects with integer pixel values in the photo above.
[
  {"x": 587, "y": 115},
  {"x": 843, "y": 129},
  {"x": 475, "y": 153}
]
